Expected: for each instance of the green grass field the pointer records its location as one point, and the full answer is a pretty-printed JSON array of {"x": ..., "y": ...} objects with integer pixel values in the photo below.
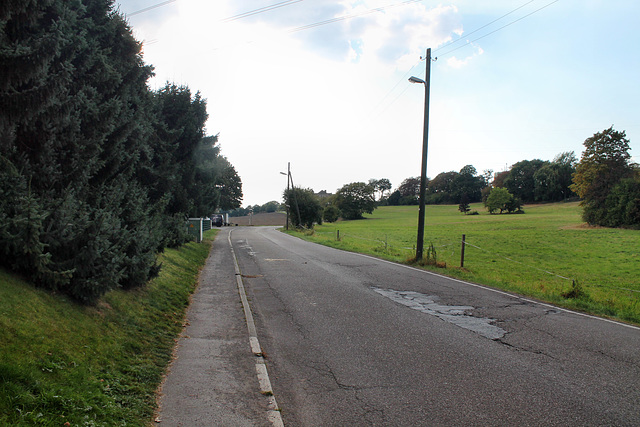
[
  {"x": 66, "y": 364},
  {"x": 537, "y": 254}
]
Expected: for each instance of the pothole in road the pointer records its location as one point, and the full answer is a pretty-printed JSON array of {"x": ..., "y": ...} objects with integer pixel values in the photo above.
[{"x": 456, "y": 314}]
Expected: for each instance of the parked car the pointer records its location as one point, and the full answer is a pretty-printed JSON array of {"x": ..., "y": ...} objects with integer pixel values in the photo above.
[{"x": 217, "y": 220}]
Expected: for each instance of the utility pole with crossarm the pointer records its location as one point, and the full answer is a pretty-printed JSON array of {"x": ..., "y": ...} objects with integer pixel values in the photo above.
[{"x": 425, "y": 146}]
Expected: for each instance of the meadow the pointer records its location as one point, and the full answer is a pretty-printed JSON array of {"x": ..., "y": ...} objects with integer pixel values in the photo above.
[
  {"x": 62, "y": 363},
  {"x": 547, "y": 253}
]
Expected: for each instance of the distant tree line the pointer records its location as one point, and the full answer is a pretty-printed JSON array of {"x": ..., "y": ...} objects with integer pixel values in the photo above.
[
  {"x": 306, "y": 208},
  {"x": 351, "y": 201},
  {"x": 528, "y": 180},
  {"x": 269, "y": 207},
  {"x": 97, "y": 172},
  {"x": 605, "y": 179}
]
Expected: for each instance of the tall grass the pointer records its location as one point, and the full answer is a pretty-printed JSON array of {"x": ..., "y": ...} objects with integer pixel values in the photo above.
[
  {"x": 539, "y": 254},
  {"x": 66, "y": 364}
]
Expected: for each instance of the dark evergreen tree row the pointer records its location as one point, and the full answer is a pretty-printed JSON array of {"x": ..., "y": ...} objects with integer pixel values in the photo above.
[{"x": 97, "y": 173}]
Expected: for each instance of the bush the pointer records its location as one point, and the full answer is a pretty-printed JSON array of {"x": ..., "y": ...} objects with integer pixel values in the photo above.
[
  {"x": 464, "y": 204},
  {"x": 304, "y": 207},
  {"x": 514, "y": 205},
  {"x": 497, "y": 200},
  {"x": 331, "y": 213},
  {"x": 622, "y": 206},
  {"x": 500, "y": 199}
]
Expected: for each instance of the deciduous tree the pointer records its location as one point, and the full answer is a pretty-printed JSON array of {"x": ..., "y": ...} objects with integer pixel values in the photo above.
[
  {"x": 467, "y": 182},
  {"x": 410, "y": 187},
  {"x": 500, "y": 199},
  {"x": 552, "y": 181},
  {"x": 304, "y": 207},
  {"x": 604, "y": 163},
  {"x": 355, "y": 199},
  {"x": 381, "y": 185},
  {"x": 520, "y": 182}
]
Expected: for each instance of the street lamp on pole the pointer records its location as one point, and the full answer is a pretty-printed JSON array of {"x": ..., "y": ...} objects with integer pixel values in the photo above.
[
  {"x": 425, "y": 145},
  {"x": 288, "y": 174}
]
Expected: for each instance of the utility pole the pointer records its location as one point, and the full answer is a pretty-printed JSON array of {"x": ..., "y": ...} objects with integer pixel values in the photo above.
[
  {"x": 295, "y": 200},
  {"x": 425, "y": 146},
  {"x": 287, "y": 206}
]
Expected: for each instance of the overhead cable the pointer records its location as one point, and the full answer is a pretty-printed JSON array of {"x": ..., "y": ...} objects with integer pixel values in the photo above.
[
  {"x": 260, "y": 10},
  {"x": 146, "y": 9},
  {"x": 460, "y": 47},
  {"x": 345, "y": 17},
  {"x": 501, "y": 28},
  {"x": 481, "y": 28}
]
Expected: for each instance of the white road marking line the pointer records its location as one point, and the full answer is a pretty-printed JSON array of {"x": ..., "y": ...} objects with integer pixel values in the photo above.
[{"x": 273, "y": 414}]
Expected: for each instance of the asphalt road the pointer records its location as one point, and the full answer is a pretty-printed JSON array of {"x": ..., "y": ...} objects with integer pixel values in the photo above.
[{"x": 351, "y": 340}]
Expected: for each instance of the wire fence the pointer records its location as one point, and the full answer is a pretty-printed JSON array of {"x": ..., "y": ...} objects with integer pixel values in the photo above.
[{"x": 401, "y": 247}]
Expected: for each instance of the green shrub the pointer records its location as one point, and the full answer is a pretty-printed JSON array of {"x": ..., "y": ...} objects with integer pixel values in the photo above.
[
  {"x": 622, "y": 206},
  {"x": 331, "y": 213},
  {"x": 304, "y": 207},
  {"x": 501, "y": 199}
]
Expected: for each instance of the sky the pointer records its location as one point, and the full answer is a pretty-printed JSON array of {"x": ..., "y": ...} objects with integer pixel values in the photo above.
[{"x": 323, "y": 85}]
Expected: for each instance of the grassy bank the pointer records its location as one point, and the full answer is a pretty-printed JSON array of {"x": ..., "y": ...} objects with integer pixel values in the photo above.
[
  {"x": 538, "y": 254},
  {"x": 66, "y": 364}
]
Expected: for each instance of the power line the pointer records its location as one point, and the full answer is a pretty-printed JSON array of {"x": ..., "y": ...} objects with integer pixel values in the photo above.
[
  {"x": 345, "y": 17},
  {"x": 460, "y": 47},
  {"x": 403, "y": 78},
  {"x": 155, "y": 6},
  {"x": 319, "y": 23},
  {"x": 260, "y": 10},
  {"x": 483, "y": 27},
  {"x": 231, "y": 18},
  {"x": 501, "y": 28}
]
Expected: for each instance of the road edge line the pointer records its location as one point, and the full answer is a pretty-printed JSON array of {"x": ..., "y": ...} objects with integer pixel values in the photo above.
[
  {"x": 477, "y": 285},
  {"x": 498, "y": 291},
  {"x": 273, "y": 414}
]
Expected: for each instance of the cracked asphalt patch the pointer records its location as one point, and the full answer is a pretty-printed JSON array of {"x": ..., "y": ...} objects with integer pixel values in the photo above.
[{"x": 456, "y": 314}]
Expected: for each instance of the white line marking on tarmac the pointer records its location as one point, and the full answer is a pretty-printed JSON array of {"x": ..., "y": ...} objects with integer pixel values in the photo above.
[
  {"x": 543, "y": 304},
  {"x": 273, "y": 414}
]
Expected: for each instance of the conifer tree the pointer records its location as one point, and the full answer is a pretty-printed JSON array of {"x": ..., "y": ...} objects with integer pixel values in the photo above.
[{"x": 97, "y": 173}]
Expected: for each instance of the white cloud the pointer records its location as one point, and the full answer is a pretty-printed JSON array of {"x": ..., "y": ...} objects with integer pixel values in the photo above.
[
  {"x": 454, "y": 62},
  {"x": 398, "y": 33},
  {"x": 334, "y": 100}
]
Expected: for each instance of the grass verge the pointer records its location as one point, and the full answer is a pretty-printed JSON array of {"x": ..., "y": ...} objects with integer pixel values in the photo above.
[
  {"x": 539, "y": 254},
  {"x": 66, "y": 364}
]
